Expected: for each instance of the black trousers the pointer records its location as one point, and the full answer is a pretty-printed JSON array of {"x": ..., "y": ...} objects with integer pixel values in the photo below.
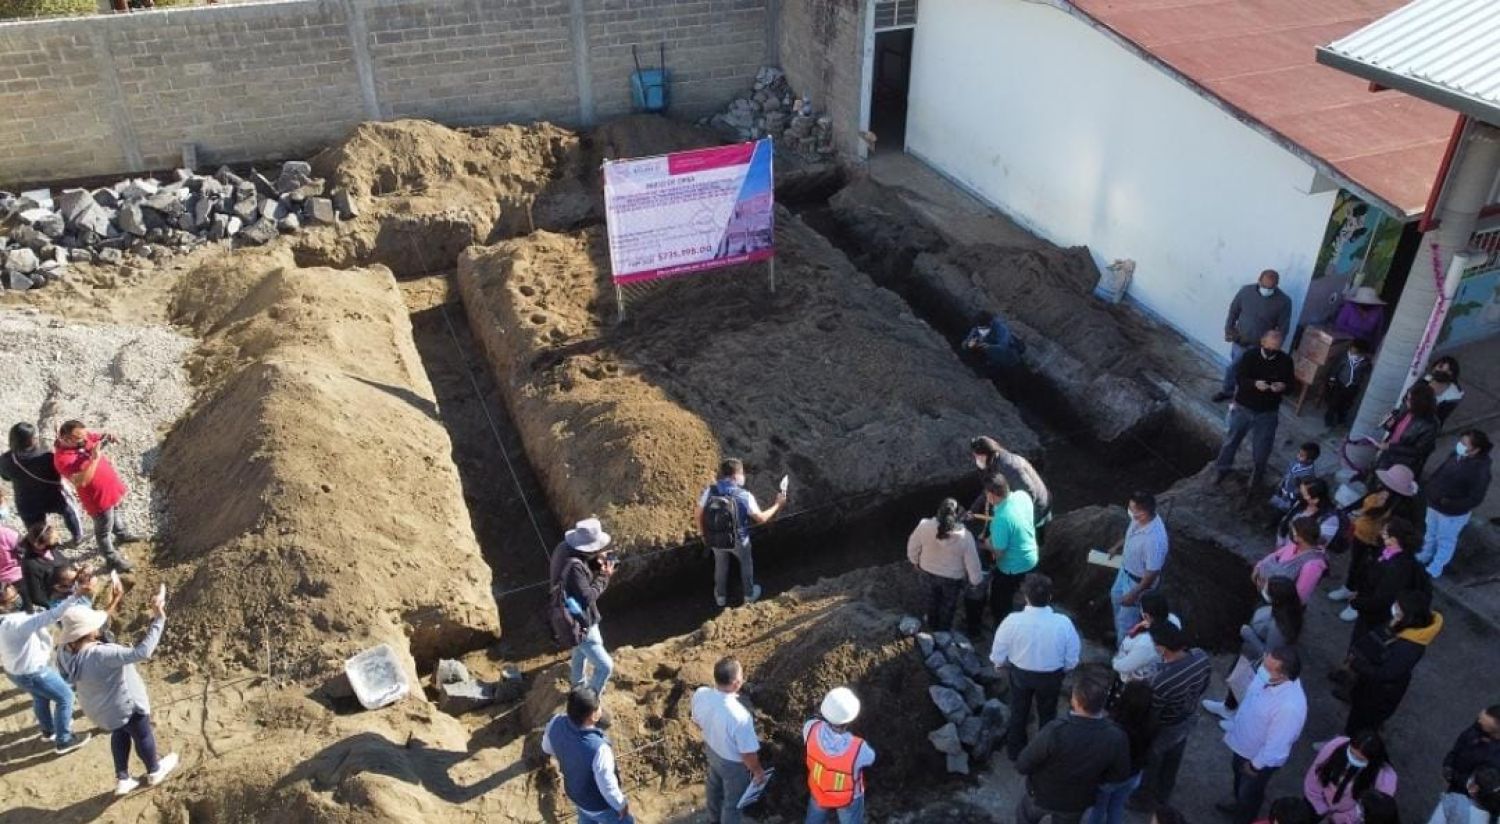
[
  {"x": 1026, "y": 688},
  {"x": 1340, "y": 401},
  {"x": 942, "y": 600}
]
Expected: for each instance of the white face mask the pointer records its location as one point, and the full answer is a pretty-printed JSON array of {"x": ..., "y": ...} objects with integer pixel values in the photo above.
[
  {"x": 1460, "y": 449},
  {"x": 1395, "y": 613},
  {"x": 1265, "y": 595},
  {"x": 979, "y": 461},
  {"x": 1355, "y": 761},
  {"x": 1267, "y": 291}
]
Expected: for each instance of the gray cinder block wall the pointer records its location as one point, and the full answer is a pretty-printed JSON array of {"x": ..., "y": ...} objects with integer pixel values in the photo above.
[
  {"x": 107, "y": 95},
  {"x": 822, "y": 52}
]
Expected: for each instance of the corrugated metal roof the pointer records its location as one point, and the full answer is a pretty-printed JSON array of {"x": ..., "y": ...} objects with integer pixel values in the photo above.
[
  {"x": 1446, "y": 51},
  {"x": 1256, "y": 59}
]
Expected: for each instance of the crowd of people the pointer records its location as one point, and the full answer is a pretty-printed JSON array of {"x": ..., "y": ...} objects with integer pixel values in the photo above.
[
  {"x": 1120, "y": 741},
  {"x": 41, "y": 589}
]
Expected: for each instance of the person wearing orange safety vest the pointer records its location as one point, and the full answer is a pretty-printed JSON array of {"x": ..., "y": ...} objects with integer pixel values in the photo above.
[{"x": 836, "y": 761}]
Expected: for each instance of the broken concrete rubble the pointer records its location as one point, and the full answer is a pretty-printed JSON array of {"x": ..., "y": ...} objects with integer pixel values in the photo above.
[{"x": 771, "y": 109}]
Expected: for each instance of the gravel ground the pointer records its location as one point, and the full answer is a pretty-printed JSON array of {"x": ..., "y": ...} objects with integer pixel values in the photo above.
[{"x": 127, "y": 380}]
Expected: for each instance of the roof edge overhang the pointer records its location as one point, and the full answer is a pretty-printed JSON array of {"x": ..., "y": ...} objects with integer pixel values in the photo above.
[
  {"x": 1319, "y": 164},
  {"x": 1414, "y": 86}
]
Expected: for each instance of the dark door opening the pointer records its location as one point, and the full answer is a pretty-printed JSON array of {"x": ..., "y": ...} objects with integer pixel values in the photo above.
[{"x": 892, "y": 82}]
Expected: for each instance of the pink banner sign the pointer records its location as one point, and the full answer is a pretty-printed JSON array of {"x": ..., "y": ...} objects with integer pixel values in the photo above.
[{"x": 689, "y": 211}]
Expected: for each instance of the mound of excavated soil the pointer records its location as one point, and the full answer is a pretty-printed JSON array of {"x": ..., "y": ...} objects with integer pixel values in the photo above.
[
  {"x": 829, "y": 380},
  {"x": 315, "y": 505}
]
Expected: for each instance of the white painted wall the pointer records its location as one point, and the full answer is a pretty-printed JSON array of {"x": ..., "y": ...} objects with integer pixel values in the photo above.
[{"x": 1087, "y": 144}]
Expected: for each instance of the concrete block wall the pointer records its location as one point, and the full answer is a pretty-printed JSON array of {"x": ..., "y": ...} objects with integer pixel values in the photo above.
[
  {"x": 108, "y": 95},
  {"x": 822, "y": 51}
]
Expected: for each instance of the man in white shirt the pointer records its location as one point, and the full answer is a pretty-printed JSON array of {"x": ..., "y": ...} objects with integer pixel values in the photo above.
[
  {"x": 1265, "y": 728},
  {"x": 26, "y": 658},
  {"x": 1040, "y": 646},
  {"x": 587, "y": 761},
  {"x": 729, "y": 741}
]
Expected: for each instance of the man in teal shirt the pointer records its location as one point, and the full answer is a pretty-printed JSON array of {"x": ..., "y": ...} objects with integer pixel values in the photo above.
[{"x": 1012, "y": 538}]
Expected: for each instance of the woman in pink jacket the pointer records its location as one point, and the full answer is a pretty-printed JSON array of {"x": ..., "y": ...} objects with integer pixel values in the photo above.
[{"x": 1345, "y": 770}]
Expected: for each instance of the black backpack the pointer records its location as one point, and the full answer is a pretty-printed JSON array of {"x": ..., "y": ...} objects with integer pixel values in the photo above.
[{"x": 721, "y": 520}]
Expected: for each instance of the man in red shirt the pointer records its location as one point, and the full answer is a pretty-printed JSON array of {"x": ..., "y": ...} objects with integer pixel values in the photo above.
[{"x": 79, "y": 456}]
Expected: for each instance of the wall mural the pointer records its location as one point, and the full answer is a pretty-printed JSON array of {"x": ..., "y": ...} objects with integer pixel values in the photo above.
[
  {"x": 1357, "y": 250},
  {"x": 1475, "y": 313}
]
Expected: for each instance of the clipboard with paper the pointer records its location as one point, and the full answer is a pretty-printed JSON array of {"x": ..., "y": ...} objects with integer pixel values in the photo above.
[{"x": 754, "y": 791}]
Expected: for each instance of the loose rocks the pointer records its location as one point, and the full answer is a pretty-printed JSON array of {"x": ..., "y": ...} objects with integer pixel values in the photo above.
[
  {"x": 772, "y": 109},
  {"x": 976, "y": 721}
]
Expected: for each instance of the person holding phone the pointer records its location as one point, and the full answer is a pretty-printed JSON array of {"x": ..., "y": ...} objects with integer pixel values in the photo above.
[
  {"x": 78, "y": 455},
  {"x": 1262, "y": 379}
]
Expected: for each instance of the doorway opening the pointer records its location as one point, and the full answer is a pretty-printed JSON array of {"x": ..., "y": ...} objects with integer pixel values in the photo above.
[{"x": 891, "y": 82}]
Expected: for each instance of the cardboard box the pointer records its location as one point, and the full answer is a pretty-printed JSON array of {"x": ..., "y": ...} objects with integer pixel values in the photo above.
[
  {"x": 1309, "y": 372},
  {"x": 1319, "y": 345}
]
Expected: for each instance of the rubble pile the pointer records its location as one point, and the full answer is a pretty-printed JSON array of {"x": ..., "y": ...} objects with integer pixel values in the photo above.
[
  {"x": 967, "y": 693},
  {"x": 772, "y": 109},
  {"x": 41, "y": 235}
]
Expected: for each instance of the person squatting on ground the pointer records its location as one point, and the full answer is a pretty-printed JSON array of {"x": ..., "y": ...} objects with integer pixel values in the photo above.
[
  {"x": 78, "y": 455},
  {"x": 944, "y": 555},
  {"x": 26, "y": 657},
  {"x": 1144, "y": 549},
  {"x": 1176, "y": 687},
  {"x": 579, "y": 576},
  {"x": 1302, "y": 560},
  {"x": 1288, "y": 494},
  {"x": 1136, "y": 657},
  {"x": 1256, "y": 309},
  {"x": 1011, "y": 541},
  {"x": 1276, "y": 623},
  {"x": 1261, "y": 736},
  {"x": 1262, "y": 378},
  {"x": 729, "y": 741},
  {"x": 1072, "y": 757},
  {"x": 1457, "y": 487},
  {"x": 586, "y": 761},
  {"x": 1131, "y": 712},
  {"x": 1314, "y": 501},
  {"x": 1040, "y": 647},
  {"x": 993, "y": 344},
  {"x": 111, "y": 691},
  {"x": 33, "y": 477},
  {"x": 836, "y": 761},
  {"x": 1381, "y": 662},
  {"x": 724, "y": 515},
  {"x": 1345, "y": 769}
]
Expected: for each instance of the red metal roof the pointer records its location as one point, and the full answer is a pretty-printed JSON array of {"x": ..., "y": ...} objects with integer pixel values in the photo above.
[{"x": 1259, "y": 58}]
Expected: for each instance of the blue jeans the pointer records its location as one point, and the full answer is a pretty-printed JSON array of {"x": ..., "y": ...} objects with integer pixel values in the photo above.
[
  {"x": 1235, "y": 353},
  {"x": 1441, "y": 540},
  {"x": 606, "y": 817},
  {"x": 852, "y": 814},
  {"x": 1261, "y": 426},
  {"x": 1109, "y": 801},
  {"x": 591, "y": 649},
  {"x": 51, "y": 701},
  {"x": 1125, "y": 616}
]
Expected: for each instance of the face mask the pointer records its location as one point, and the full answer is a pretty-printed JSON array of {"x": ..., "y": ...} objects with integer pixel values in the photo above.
[
  {"x": 1265, "y": 595},
  {"x": 739, "y": 480},
  {"x": 1395, "y": 613},
  {"x": 1267, "y": 291},
  {"x": 979, "y": 462},
  {"x": 4, "y": 512},
  {"x": 1356, "y": 762},
  {"x": 1132, "y": 512},
  {"x": 1460, "y": 449}
]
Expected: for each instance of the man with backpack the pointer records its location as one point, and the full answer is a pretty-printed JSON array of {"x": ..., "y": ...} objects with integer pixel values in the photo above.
[
  {"x": 724, "y": 514},
  {"x": 579, "y": 575}
]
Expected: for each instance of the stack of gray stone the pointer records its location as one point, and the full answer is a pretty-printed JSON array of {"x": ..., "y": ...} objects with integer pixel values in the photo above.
[
  {"x": 772, "y": 109},
  {"x": 967, "y": 693},
  {"x": 460, "y": 692},
  {"x": 41, "y": 235}
]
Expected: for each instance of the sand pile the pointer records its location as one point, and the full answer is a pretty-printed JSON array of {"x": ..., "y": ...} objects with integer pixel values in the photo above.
[
  {"x": 829, "y": 380},
  {"x": 124, "y": 379},
  {"x": 315, "y": 503}
]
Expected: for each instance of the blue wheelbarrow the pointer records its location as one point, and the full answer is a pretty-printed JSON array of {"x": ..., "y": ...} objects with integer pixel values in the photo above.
[{"x": 648, "y": 87}]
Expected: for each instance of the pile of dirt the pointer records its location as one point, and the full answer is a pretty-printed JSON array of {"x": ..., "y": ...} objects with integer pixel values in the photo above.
[
  {"x": 829, "y": 380},
  {"x": 316, "y": 510},
  {"x": 1085, "y": 354}
]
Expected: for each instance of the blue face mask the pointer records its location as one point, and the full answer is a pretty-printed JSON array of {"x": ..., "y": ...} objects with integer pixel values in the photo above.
[{"x": 1460, "y": 449}]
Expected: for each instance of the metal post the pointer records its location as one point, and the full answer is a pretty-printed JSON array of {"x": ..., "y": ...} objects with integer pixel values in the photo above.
[
  {"x": 620, "y": 302},
  {"x": 773, "y": 273}
]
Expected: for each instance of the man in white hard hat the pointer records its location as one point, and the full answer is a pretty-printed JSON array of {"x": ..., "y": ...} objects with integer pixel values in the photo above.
[
  {"x": 836, "y": 761},
  {"x": 729, "y": 742}
]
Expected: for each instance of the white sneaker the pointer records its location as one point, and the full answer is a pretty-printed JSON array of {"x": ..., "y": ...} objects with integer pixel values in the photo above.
[
  {"x": 721, "y": 601},
  {"x": 125, "y": 786},
  {"x": 1349, "y": 614},
  {"x": 754, "y": 595},
  {"x": 74, "y": 743},
  {"x": 1218, "y": 708},
  {"x": 164, "y": 767},
  {"x": 1340, "y": 594}
]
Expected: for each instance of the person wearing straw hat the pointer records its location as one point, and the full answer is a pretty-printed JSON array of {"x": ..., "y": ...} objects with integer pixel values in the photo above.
[
  {"x": 25, "y": 656},
  {"x": 836, "y": 761},
  {"x": 582, "y": 573},
  {"x": 111, "y": 691},
  {"x": 1396, "y": 498},
  {"x": 1362, "y": 316}
]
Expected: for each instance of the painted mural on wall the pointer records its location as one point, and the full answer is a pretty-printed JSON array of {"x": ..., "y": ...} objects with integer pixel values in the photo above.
[
  {"x": 1357, "y": 250},
  {"x": 1475, "y": 313}
]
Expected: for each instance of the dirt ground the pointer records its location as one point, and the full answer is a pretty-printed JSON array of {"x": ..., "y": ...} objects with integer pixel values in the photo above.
[{"x": 782, "y": 380}]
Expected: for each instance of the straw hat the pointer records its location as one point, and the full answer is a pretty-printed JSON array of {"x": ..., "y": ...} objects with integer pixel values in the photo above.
[
  {"x": 1367, "y": 296},
  {"x": 1399, "y": 480},
  {"x": 587, "y": 535},
  {"x": 840, "y": 706},
  {"x": 80, "y": 621}
]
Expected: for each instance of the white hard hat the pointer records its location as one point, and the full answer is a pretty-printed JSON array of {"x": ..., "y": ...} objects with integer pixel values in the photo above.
[{"x": 840, "y": 707}]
